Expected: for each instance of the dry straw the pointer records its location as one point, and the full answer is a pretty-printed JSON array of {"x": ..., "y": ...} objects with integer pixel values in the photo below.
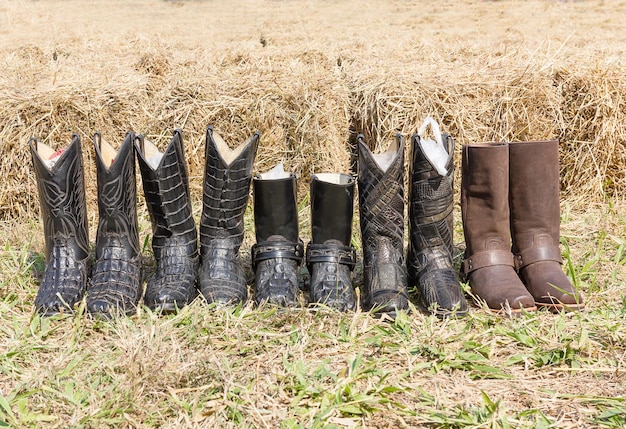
[{"x": 309, "y": 96}]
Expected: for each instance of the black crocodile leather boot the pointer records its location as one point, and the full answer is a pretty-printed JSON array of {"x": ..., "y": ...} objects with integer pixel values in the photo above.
[
  {"x": 429, "y": 259},
  {"x": 330, "y": 257},
  {"x": 278, "y": 252},
  {"x": 227, "y": 179},
  {"x": 64, "y": 212},
  {"x": 381, "y": 203},
  {"x": 175, "y": 238},
  {"x": 115, "y": 285}
]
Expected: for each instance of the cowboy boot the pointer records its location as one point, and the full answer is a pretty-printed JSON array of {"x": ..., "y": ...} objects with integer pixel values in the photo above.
[
  {"x": 429, "y": 260},
  {"x": 227, "y": 179},
  {"x": 535, "y": 224},
  {"x": 278, "y": 251},
  {"x": 174, "y": 239},
  {"x": 330, "y": 257},
  {"x": 61, "y": 185},
  {"x": 116, "y": 277},
  {"x": 488, "y": 263},
  {"x": 381, "y": 203}
]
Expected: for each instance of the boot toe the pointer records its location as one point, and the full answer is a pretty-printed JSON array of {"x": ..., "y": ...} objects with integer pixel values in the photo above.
[
  {"x": 167, "y": 303},
  {"x": 223, "y": 297},
  {"x": 550, "y": 287},
  {"x": 388, "y": 302},
  {"x": 107, "y": 307},
  {"x": 338, "y": 304},
  {"x": 525, "y": 302}
]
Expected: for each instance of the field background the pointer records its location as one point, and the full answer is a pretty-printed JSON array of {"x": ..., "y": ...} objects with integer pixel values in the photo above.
[{"x": 309, "y": 75}]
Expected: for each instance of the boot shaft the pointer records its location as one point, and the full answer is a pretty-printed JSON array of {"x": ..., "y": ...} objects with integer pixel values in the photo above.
[
  {"x": 227, "y": 178},
  {"x": 166, "y": 187},
  {"x": 431, "y": 198},
  {"x": 117, "y": 193},
  {"x": 381, "y": 194},
  {"x": 534, "y": 194},
  {"x": 485, "y": 197},
  {"x": 61, "y": 189},
  {"x": 275, "y": 207},
  {"x": 332, "y": 206}
]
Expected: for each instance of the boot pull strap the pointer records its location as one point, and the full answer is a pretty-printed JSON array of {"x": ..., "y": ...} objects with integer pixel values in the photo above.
[
  {"x": 537, "y": 254},
  {"x": 277, "y": 249},
  {"x": 330, "y": 253},
  {"x": 486, "y": 259}
]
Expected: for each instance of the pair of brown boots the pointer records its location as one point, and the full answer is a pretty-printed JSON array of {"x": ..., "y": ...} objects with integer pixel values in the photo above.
[{"x": 511, "y": 222}]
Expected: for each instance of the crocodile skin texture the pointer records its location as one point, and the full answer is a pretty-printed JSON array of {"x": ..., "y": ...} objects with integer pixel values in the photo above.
[
  {"x": 115, "y": 285},
  {"x": 225, "y": 197},
  {"x": 276, "y": 263},
  {"x": 62, "y": 198},
  {"x": 174, "y": 240},
  {"x": 429, "y": 259},
  {"x": 381, "y": 202},
  {"x": 330, "y": 265}
]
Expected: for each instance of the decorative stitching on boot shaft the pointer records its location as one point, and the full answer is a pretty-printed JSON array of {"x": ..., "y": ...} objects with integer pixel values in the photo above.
[{"x": 63, "y": 210}]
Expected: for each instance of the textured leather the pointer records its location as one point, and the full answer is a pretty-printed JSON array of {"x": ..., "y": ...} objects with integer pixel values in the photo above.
[
  {"x": 330, "y": 257},
  {"x": 277, "y": 255},
  {"x": 225, "y": 198},
  {"x": 535, "y": 224},
  {"x": 485, "y": 212},
  {"x": 381, "y": 203},
  {"x": 429, "y": 257},
  {"x": 115, "y": 284},
  {"x": 174, "y": 240},
  {"x": 63, "y": 210}
]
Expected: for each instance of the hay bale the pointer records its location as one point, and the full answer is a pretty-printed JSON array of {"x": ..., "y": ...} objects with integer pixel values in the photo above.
[{"x": 308, "y": 101}]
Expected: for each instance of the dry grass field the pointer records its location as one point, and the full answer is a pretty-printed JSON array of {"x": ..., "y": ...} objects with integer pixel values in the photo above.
[{"x": 309, "y": 75}]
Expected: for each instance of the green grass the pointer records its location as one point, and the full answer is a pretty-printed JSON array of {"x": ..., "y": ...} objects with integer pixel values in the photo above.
[{"x": 264, "y": 367}]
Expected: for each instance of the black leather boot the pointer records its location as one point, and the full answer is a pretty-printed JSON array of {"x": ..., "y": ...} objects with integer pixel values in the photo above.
[
  {"x": 175, "y": 238},
  {"x": 330, "y": 257},
  {"x": 381, "y": 202},
  {"x": 62, "y": 197},
  {"x": 278, "y": 252},
  {"x": 227, "y": 179},
  {"x": 115, "y": 285},
  {"x": 429, "y": 260}
]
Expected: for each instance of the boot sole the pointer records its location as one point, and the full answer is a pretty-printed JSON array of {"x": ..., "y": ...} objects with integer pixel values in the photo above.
[
  {"x": 561, "y": 308},
  {"x": 513, "y": 312}
]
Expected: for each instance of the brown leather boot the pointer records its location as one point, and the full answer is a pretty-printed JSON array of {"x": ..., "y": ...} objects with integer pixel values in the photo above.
[
  {"x": 534, "y": 203},
  {"x": 488, "y": 262}
]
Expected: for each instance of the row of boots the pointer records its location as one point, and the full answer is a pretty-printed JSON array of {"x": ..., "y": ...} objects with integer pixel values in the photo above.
[{"x": 510, "y": 279}]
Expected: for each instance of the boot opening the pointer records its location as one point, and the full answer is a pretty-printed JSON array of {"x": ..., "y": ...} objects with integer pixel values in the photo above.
[
  {"x": 434, "y": 148},
  {"x": 385, "y": 159},
  {"x": 48, "y": 155},
  {"x": 151, "y": 153},
  {"x": 228, "y": 154},
  {"x": 275, "y": 173},
  {"x": 106, "y": 152},
  {"x": 334, "y": 178}
]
